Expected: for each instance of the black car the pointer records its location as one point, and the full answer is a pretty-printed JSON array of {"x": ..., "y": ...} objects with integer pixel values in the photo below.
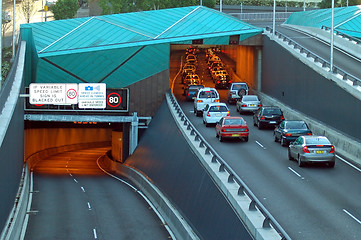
[
  {"x": 268, "y": 116},
  {"x": 289, "y": 130},
  {"x": 222, "y": 81},
  {"x": 190, "y": 91}
]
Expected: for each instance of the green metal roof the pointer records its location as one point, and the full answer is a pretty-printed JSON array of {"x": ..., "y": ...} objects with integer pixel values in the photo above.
[
  {"x": 102, "y": 48},
  {"x": 346, "y": 19}
]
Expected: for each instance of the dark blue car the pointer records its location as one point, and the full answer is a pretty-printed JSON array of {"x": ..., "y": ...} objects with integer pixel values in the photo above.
[
  {"x": 289, "y": 130},
  {"x": 190, "y": 91}
]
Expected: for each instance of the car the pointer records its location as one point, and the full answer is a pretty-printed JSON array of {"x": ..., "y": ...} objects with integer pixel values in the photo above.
[
  {"x": 308, "y": 149},
  {"x": 222, "y": 81},
  {"x": 248, "y": 103},
  {"x": 267, "y": 116},
  {"x": 192, "y": 79},
  {"x": 191, "y": 90},
  {"x": 215, "y": 74},
  {"x": 191, "y": 56},
  {"x": 213, "y": 112},
  {"x": 188, "y": 69},
  {"x": 192, "y": 62},
  {"x": 289, "y": 130},
  {"x": 232, "y": 127},
  {"x": 236, "y": 90},
  {"x": 204, "y": 96},
  {"x": 213, "y": 59},
  {"x": 214, "y": 69}
]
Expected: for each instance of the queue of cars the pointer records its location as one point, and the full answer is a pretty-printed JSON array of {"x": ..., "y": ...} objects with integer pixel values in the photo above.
[{"x": 303, "y": 146}]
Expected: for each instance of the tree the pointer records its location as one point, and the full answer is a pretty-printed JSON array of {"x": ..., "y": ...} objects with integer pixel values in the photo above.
[
  {"x": 28, "y": 10},
  {"x": 64, "y": 9}
]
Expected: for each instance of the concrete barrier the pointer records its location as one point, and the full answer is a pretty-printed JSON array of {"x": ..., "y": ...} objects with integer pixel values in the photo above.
[
  {"x": 179, "y": 227},
  {"x": 344, "y": 145}
]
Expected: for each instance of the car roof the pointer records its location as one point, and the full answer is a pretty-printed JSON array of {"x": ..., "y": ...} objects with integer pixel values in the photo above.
[
  {"x": 217, "y": 104},
  {"x": 233, "y": 117},
  {"x": 208, "y": 89},
  {"x": 271, "y": 107}
]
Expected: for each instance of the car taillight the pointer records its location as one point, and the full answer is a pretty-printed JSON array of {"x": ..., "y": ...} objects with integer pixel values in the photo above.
[
  {"x": 199, "y": 100},
  {"x": 305, "y": 149},
  {"x": 246, "y": 130},
  {"x": 309, "y": 133},
  {"x": 228, "y": 113},
  {"x": 332, "y": 149},
  {"x": 282, "y": 117},
  {"x": 262, "y": 118},
  {"x": 259, "y": 105},
  {"x": 208, "y": 115},
  {"x": 218, "y": 81},
  {"x": 189, "y": 94},
  {"x": 288, "y": 134},
  {"x": 224, "y": 130},
  {"x": 244, "y": 105},
  {"x": 217, "y": 100}
]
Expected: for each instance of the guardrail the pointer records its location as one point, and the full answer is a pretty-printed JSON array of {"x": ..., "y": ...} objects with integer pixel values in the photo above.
[
  {"x": 317, "y": 59},
  {"x": 344, "y": 35},
  {"x": 280, "y": 16},
  {"x": 255, "y": 204}
]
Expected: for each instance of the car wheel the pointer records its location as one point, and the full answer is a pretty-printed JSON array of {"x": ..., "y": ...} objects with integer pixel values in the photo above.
[
  {"x": 237, "y": 109},
  {"x": 275, "y": 138},
  {"x": 220, "y": 138},
  {"x": 198, "y": 113},
  {"x": 283, "y": 142},
  {"x": 331, "y": 164},
  {"x": 300, "y": 163},
  {"x": 217, "y": 134},
  {"x": 289, "y": 155},
  {"x": 254, "y": 122},
  {"x": 246, "y": 139},
  {"x": 259, "y": 126}
]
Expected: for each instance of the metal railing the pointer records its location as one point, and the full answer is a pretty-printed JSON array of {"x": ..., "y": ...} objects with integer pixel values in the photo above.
[
  {"x": 317, "y": 59},
  {"x": 269, "y": 221},
  {"x": 266, "y": 16},
  {"x": 343, "y": 35}
]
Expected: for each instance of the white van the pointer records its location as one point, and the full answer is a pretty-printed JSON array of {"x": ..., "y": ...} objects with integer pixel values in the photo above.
[{"x": 204, "y": 96}]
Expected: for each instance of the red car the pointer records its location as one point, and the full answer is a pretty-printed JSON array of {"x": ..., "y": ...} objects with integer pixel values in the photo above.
[{"x": 232, "y": 127}]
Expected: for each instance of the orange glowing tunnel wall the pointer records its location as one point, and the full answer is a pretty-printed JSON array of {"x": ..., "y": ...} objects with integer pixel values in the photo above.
[
  {"x": 245, "y": 58},
  {"x": 58, "y": 139}
]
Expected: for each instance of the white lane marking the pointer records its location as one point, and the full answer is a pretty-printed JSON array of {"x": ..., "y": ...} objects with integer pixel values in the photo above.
[
  {"x": 352, "y": 216},
  {"x": 260, "y": 145},
  {"x": 348, "y": 163},
  {"x": 82, "y": 189},
  {"x": 90, "y": 208},
  {"x": 95, "y": 233},
  {"x": 75, "y": 180},
  {"x": 298, "y": 175},
  {"x": 70, "y": 174}
]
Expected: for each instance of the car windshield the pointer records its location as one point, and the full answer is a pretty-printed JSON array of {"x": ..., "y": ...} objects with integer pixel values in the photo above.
[
  {"x": 207, "y": 94},
  {"x": 236, "y": 121},
  {"x": 249, "y": 98},
  {"x": 195, "y": 87},
  {"x": 296, "y": 125},
  {"x": 218, "y": 109},
  {"x": 239, "y": 86},
  {"x": 317, "y": 141},
  {"x": 272, "y": 111}
]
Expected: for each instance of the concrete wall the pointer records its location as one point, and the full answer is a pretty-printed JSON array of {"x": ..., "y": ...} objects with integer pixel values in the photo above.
[{"x": 288, "y": 80}]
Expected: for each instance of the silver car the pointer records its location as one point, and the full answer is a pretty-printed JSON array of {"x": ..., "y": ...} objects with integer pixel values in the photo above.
[
  {"x": 312, "y": 149},
  {"x": 248, "y": 103}
]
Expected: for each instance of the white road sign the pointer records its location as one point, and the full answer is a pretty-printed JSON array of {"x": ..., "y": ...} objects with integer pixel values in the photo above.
[
  {"x": 54, "y": 94},
  {"x": 92, "y": 95}
]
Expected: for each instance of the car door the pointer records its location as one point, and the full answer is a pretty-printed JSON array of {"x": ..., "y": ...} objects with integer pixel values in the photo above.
[
  {"x": 279, "y": 129},
  {"x": 219, "y": 126},
  {"x": 296, "y": 146}
]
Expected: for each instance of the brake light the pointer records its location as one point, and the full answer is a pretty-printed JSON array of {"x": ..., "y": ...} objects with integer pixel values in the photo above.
[
  {"x": 309, "y": 133},
  {"x": 218, "y": 81},
  {"x": 246, "y": 130},
  {"x": 189, "y": 94},
  {"x": 259, "y": 105},
  {"x": 217, "y": 100},
  {"x": 288, "y": 135},
  {"x": 332, "y": 149},
  {"x": 208, "y": 115},
  {"x": 228, "y": 113},
  {"x": 262, "y": 118},
  {"x": 282, "y": 117},
  {"x": 224, "y": 130},
  {"x": 199, "y": 100},
  {"x": 305, "y": 149},
  {"x": 244, "y": 105}
]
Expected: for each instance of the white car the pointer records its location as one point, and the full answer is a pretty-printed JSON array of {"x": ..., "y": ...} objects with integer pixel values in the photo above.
[
  {"x": 248, "y": 103},
  {"x": 237, "y": 90},
  {"x": 213, "y": 112},
  {"x": 204, "y": 96}
]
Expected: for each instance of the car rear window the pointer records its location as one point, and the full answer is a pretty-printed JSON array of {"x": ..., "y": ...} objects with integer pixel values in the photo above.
[
  {"x": 250, "y": 98},
  {"x": 272, "y": 111},
  {"x": 207, "y": 94},
  {"x": 234, "y": 122},
  {"x": 218, "y": 109},
  {"x": 296, "y": 125},
  {"x": 239, "y": 86},
  {"x": 317, "y": 141}
]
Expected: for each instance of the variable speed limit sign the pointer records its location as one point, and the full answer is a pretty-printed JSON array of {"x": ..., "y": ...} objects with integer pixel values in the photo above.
[{"x": 117, "y": 99}]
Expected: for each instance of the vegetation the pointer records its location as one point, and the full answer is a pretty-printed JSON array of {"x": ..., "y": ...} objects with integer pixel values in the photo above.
[
  {"x": 117, "y": 6},
  {"x": 6, "y": 62},
  {"x": 65, "y": 9},
  {"x": 28, "y": 10}
]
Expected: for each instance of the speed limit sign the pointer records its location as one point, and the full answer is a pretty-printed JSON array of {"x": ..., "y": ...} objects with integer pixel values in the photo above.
[{"x": 117, "y": 99}]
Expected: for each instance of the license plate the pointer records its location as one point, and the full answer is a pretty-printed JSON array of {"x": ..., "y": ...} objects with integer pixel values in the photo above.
[
  {"x": 251, "y": 105},
  {"x": 272, "y": 122},
  {"x": 320, "y": 152},
  {"x": 235, "y": 135},
  {"x": 193, "y": 97},
  {"x": 218, "y": 115}
]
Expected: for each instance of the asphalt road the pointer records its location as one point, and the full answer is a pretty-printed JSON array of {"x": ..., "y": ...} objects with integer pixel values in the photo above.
[
  {"x": 314, "y": 202},
  {"x": 74, "y": 199}
]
